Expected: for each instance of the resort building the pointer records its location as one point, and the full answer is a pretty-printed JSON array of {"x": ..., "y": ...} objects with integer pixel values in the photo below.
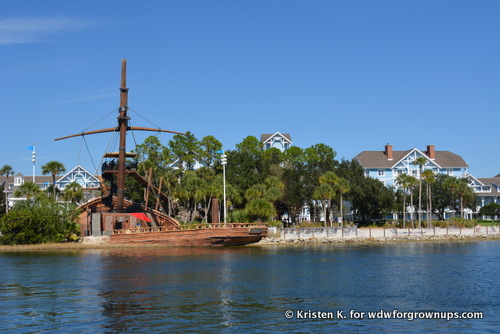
[
  {"x": 386, "y": 165},
  {"x": 487, "y": 189},
  {"x": 78, "y": 174},
  {"x": 277, "y": 140}
]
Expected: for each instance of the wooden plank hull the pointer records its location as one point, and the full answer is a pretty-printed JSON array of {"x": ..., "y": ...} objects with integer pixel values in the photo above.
[{"x": 220, "y": 236}]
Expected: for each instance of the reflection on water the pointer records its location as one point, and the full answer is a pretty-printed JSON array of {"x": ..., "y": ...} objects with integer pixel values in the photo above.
[{"x": 248, "y": 289}]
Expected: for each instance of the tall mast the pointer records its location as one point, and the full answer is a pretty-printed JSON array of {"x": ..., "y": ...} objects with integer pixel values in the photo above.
[{"x": 122, "y": 126}]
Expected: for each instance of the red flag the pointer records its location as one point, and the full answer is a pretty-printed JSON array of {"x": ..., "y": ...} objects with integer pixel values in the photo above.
[{"x": 141, "y": 216}]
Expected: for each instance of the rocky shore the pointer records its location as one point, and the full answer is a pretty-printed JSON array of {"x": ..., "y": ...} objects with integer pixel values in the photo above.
[{"x": 402, "y": 238}]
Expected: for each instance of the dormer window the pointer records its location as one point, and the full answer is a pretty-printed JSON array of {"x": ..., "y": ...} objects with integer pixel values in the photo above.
[{"x": 18, "y": 180}]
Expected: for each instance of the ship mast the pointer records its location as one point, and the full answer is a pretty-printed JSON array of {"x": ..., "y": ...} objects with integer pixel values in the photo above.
[{"x": 123, "y": 127}]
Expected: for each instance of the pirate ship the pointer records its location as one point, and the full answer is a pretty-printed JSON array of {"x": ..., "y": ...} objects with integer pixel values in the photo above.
[{"x": 127, "y": 222}]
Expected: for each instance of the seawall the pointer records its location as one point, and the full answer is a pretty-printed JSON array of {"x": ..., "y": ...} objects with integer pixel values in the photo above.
[{"x": 353, "y": 234}]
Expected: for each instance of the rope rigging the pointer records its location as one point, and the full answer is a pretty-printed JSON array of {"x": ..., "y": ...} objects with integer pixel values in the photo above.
[
  {"x": 144, "y": 118},
  {"x": 105, "y": 116}
]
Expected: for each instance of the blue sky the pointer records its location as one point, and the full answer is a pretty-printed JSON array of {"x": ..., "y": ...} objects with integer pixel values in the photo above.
[{"x": 354, "y": 75}]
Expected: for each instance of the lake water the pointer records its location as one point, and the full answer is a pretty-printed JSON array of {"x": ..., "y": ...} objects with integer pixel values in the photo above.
[{"x": 271, "y": 289}]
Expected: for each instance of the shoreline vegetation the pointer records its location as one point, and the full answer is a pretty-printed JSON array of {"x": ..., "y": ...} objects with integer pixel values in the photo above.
[{"x": 361, "y": 236}]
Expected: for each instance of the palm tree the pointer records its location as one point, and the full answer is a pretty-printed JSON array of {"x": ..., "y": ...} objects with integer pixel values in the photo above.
[
  {"x": 274, "y": 190},
  {"x": 170, "y": 183},
  {"x": 6, "y": 170},
  {"x": 260, "y": 207},
  {"x": 411, "y": 183},
  {"x": 189, "y": 193},
  {"x": 73, "y": 192},
  {"x": 54, "y": 168},
  {"x": 342, "y": 187},
  {"x": 429, "y": 178},
  {"x": 331, "y": 180},
  {"x": 29, "y": 190},
  {"x": 451, "y": 184},
  {"x": 324, "y": 192},
  {"x": 402, "y": 181},
  {"x": 420, "y": 161},
  {"x": 464, "y": 191}
]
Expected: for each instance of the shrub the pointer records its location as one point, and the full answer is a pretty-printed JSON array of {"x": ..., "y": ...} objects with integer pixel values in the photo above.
[{"x": 40, "y": 222}]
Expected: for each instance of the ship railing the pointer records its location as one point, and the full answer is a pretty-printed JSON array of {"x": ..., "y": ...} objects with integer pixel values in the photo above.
[
  {"x": 221, "y": 225},
  {"x": 188, "y": 227}
]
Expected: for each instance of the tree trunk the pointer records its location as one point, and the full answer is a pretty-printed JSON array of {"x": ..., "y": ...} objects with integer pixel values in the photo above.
[
  {"x": 341, "y": 211},
  {"x": 430, "y": 205},
  {"x": 324, "y": 213},
  {"x": 404, "y": 211}
]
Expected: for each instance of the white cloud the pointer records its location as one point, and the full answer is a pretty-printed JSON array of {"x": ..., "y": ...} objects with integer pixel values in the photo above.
[{"x": 36, "y": 30}]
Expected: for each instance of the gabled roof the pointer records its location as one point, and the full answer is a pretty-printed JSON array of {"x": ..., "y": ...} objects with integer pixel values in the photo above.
[
  {"x": 378, "y": 159},
  {"x": 494, "y": 182},
  {"x": 43, "y": 179},
  {"x": 81, "y": 175},
  {"x": 267, "y": 136},
  {"x": 77, "y": 169},
  {"x": 474, "y": 180},
  {"x": 39, "y": 179}
]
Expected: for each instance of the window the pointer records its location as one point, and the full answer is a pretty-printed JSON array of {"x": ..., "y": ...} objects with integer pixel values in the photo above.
[
  {"x": 18, "y": 181},
  {"x": 414, "y": 172},
  {"x": 381, "y": 172}
]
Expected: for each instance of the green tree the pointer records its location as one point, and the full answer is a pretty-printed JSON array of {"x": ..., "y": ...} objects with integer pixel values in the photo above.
[
  {"x": 73, "y": 193},
  {"x": 187, "y": 150},
  {"x": 261, "y": 208},
  {"x": 452, "y": 184},
  {"x": 39, "y": 222},
  {"x": 411, "y": 184},
  {"x": 429, "y": 178},
  {"x": 209, "y": 146},
  {"x": 466, "y": 196},
  {"x": 491, "y": 209},
  {"x": 208, "y": 188},
  {"x": 152, "y": 154},
  {"x": 342, "y": 187},
  {"x": 29, "y": 190},
  {"x": 271, "y": 191},
  {"x": 190, "y": 194},
  {"x": 324, "y": 193},
  {"x": 271, "y": 160},
  {"x": 245, "y": 166},
  {"x": 170, "y": 182},
  {"x": 442, "y": 199},
  {"x": 294, "y": 176},
  {"x": 53, "y": 168},
  {"x": 6, "y": 170},
  {"x": 370, "y": 199},
  {"x": 320, "y": 158},
  {"x": 404, "y": 181}
]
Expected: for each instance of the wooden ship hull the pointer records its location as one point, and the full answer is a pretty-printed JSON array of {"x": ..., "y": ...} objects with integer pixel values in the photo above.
[
  {"x": 208, "y": 235},
  {"x": 147, "y": 226},
  {"x": 125, "y": 222}
]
